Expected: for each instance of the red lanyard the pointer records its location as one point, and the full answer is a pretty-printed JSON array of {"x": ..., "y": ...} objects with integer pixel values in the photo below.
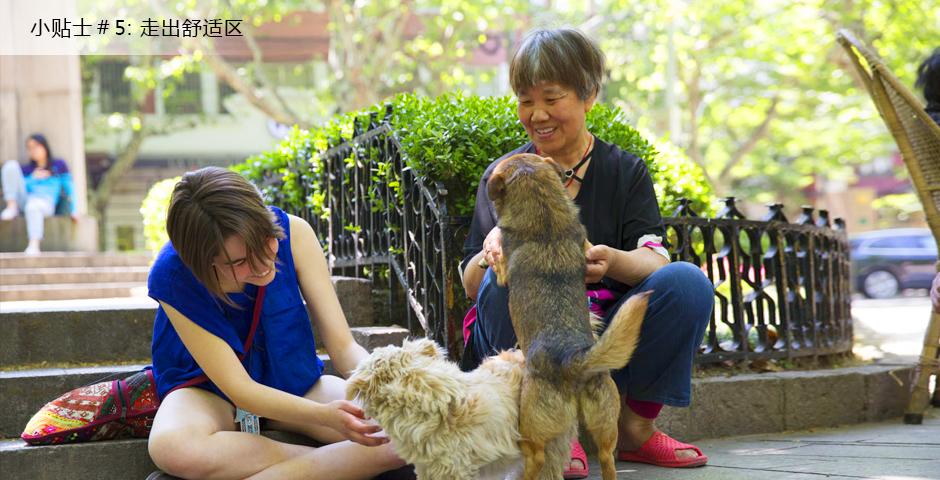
[{"x": 256, "y": 315}]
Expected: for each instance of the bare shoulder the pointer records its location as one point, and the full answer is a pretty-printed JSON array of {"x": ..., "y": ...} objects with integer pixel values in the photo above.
[
  {"x": 301, "y": 233},
  {"x": 303, "y": 244}
]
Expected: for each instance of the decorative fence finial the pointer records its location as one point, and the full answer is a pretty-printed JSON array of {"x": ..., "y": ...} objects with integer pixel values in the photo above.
[
  {"x": 823, "y": 220},
  {"x": 684, "y": 209},
  {"x": 806, "y": 218},
  {"x": 775, "y": 213},
  {"x": 730, "y": 210}
]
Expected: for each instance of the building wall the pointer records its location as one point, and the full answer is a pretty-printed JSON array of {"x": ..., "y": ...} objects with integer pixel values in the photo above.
[{"x": 43, "y": 94}]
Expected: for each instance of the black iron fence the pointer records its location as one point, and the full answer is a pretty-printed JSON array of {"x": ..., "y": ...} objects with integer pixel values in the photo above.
[{"x": 781, "y": 289}]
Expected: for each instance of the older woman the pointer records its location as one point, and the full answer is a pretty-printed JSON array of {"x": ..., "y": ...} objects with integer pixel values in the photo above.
[{"x": 557, "y": 75}]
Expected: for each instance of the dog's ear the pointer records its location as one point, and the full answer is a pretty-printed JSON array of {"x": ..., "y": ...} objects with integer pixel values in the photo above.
[
  {"x": 496, "y": 186},
  {"x": 423, "y": 346},
  {"x": 560, "y": 171},
  {"x": 357, "y": 384}
]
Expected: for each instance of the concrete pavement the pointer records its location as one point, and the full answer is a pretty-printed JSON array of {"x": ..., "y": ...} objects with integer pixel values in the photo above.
[
  {"x": 887, "y": 332},
  {"x": 886, "y": 450},
  {"x": 890, "y": 330}
]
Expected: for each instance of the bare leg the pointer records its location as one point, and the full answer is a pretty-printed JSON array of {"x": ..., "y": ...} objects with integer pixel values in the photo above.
[
  {"x": 14, "y": 189},
  {"x": 635, "y": 430},
  {"x": 193, "y": 437}
]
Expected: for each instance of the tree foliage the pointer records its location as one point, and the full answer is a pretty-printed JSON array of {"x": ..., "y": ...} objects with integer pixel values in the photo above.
[{"x": 764, "y": 98}]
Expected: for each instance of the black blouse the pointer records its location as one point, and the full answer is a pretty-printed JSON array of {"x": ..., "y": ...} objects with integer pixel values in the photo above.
[{"x": 617, "y": 203}]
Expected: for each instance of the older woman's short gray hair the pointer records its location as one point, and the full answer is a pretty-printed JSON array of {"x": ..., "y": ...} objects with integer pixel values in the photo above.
[{"x": 564, "y": 56}]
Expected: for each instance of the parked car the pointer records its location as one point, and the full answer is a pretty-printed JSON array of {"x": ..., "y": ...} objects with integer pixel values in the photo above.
[{"x": 884, "y": 262}]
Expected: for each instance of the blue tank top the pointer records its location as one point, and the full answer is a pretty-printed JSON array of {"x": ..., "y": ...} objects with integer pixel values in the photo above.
[{"x": 283, "y": 354}]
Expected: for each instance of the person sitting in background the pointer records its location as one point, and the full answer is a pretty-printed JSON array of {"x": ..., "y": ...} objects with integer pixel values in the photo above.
[
  {"x": 928, "y": 80},
  {"x": 36, "y": 188}
]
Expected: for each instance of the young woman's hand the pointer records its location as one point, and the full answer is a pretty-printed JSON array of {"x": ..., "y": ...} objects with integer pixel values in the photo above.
[
  {"x": 349, "y": 420},
  {"x": 41, "y": 173}
]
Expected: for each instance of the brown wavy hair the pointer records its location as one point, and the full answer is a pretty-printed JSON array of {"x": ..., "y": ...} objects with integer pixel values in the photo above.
[{"x": 208, "y": 206}]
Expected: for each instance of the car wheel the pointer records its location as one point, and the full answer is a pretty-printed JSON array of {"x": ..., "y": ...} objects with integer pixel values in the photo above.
[{"x": 880, "y": 284}]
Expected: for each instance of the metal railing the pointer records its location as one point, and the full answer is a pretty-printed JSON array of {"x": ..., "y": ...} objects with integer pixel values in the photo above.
[{"x": 782, "y": 289}]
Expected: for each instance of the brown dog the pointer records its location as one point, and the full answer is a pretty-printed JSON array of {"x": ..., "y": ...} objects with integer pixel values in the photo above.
[{"x": 567, "y": 376}]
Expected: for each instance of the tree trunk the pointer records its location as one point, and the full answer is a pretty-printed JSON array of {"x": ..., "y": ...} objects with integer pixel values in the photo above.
[{"x": 101, "y": 196}]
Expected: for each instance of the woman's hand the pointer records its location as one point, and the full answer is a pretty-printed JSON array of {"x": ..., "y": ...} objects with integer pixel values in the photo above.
[
  {"x": 492, "y": 246},
  {"x": 349, "y": 420},
  {"x": 41, "y": 173},
  {"x": 598, "y": 259}
]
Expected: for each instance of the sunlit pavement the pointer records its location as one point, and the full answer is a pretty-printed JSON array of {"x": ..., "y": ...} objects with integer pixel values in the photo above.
[
  {"x": 885, "y": 450},
  {"x": 890, "y": 330},
  {"x": 887, "y": 331}
]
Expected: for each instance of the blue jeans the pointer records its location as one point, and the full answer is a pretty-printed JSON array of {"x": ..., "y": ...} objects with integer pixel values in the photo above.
[{"x": 661, "y": 368}]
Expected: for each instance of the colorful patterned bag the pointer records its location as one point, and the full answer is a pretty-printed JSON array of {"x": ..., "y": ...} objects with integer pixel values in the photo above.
[{"x": 106, "y": 410}]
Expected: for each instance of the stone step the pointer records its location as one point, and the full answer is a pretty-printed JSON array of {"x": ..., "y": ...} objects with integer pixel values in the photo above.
[
  {"x": 26, "y": 391},
  {"x": 72, "y": 291},
  {"x": 113, "y": 459},
  {"x": 53, "y": 275},
  {"x": 74, "y": 259},
  {"x": 64, "y": 332},
  {"x": 120, "y": 330},
  {"x": 60, "y": 234},
  {"x": 111, "y": 335}
]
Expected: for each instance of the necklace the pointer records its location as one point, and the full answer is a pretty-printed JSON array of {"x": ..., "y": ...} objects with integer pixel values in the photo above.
[{"x": 572, "y": 173}]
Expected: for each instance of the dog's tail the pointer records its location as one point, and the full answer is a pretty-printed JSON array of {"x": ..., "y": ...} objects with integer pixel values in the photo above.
[{"x": 615, "y": 347}]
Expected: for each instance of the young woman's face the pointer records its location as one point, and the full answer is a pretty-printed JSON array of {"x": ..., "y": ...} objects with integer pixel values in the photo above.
[
  {"x": 238, "y": 269},
  {"x": 553, "y": 117},
  {"x": 36, "y": 151}
]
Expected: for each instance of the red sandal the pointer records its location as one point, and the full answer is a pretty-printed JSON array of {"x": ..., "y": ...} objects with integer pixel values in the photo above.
[
  {"x": 660, "y": 450},
  {"x": 577, "y": 453}
]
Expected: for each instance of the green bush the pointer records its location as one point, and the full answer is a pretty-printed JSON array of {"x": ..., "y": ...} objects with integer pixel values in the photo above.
[
  {"x": 453, "y": 138},
  {"x": 450, "y": 139},
  {"x": 153, "y": 210}
]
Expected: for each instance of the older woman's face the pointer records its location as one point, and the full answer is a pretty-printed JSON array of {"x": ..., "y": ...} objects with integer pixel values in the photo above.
[{"x": 553, "y": 117}]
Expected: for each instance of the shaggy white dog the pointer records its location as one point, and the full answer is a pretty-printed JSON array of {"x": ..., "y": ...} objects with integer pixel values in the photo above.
[{"x": 450, "y": 424}]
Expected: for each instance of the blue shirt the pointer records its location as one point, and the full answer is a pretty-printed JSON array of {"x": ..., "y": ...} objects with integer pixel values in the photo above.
[
  {"x": 51, "y": 186},
  {"x": 283, "y": 354}
]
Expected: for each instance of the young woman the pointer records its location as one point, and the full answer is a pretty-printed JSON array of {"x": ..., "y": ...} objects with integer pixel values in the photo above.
[
  {"x": 557, "y": 75},
  {"x": 36, "y": 188},
  {"x": 232, "y": 332}
]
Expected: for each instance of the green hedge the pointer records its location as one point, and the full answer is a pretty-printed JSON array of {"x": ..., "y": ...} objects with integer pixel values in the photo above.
[
  {"x": 452, "y": 139},
  {"x": 153, "y": 209}
]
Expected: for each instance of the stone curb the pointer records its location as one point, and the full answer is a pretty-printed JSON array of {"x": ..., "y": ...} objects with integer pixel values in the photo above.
[{"x": 781, "y": 401}]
